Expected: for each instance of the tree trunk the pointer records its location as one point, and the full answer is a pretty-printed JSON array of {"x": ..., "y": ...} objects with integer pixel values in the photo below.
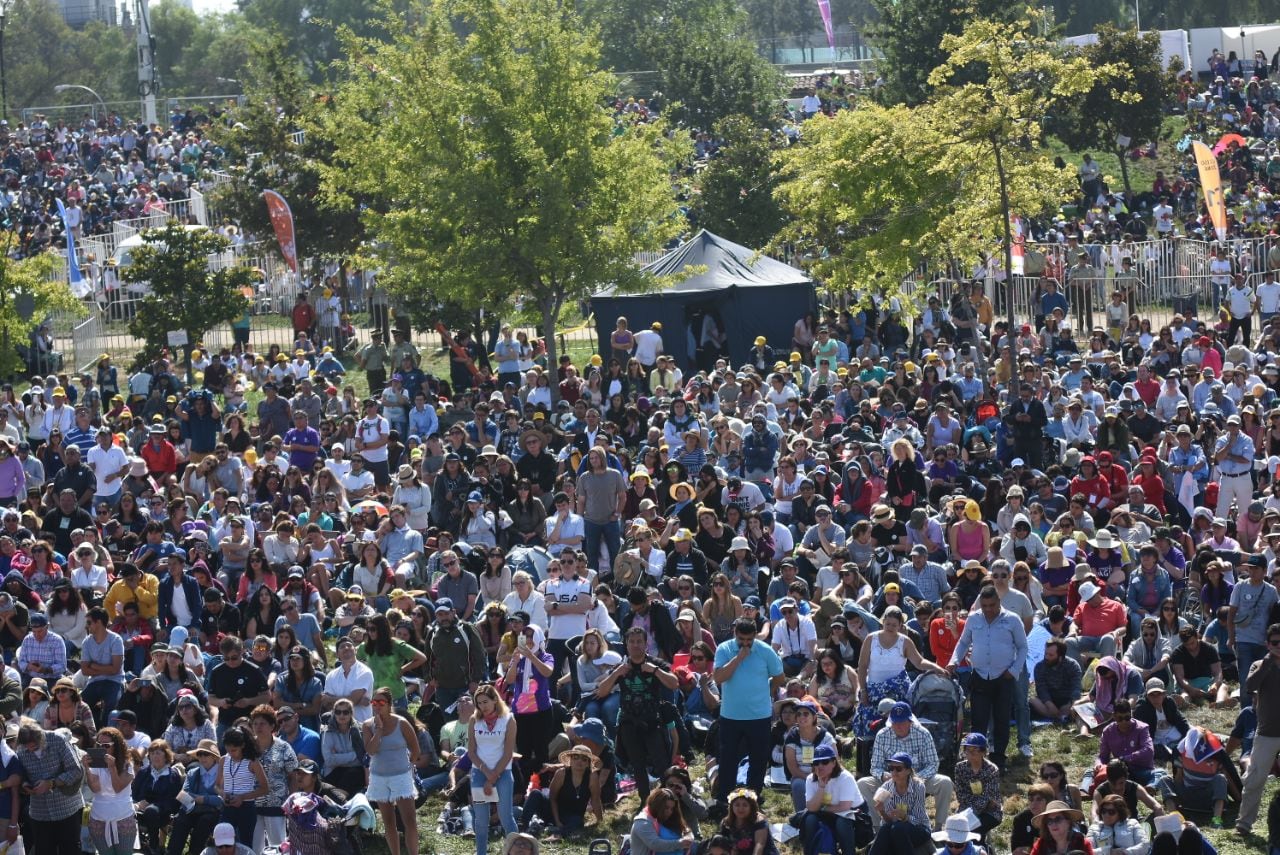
[
  {"x": 550, "y": 311},
  {"x": 1124, "y": 173},
  {"x": 1008, "y": 265}
]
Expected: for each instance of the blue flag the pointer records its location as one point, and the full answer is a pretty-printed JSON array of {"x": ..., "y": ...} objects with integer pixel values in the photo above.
[{"x": 75, "y": 278}]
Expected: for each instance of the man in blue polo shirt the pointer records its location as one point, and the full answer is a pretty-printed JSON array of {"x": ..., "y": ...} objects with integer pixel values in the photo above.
[{"x": 746, "y": 670}]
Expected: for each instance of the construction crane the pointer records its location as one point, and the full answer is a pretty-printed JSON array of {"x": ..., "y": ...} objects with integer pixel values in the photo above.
[{"x": 148, "y": 76}]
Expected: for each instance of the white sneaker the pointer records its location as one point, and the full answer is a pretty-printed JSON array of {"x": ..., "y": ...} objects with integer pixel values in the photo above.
[{"x": 1027, "y": 752}]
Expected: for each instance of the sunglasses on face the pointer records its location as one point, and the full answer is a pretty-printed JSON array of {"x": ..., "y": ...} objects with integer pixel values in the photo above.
[
  {"x": 822, "y": 762},
  {"x": 896, "y": 768}
]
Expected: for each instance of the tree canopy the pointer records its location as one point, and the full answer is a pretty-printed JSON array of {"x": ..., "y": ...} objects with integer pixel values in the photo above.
[
  {"x": 735, "y": 193},
  {"x": 877, "y": 191},
  {"x": 183, "y": 294},
  {"x": 479, "y": 130},
  {"x": 30, "y": 291},
  {"x": 909, "y": 34},
  {"x": 1130, "y": 103},
  {"x": 271, "y": 144}
]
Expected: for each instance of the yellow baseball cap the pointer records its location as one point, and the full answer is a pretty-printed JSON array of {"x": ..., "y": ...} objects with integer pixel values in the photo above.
[{"x": 760, "y": 340}]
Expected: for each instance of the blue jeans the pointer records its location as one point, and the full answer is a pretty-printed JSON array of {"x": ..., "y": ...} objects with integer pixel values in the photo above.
[
  {"x": 113, "y": 499},
  {"x": 606, "y": 710},
  {"x": 1246, "y": 654},
  {"x": 102, "y": 696},
  {"x": 610, "y": 532},
  {"x": 480, "y": 810}
]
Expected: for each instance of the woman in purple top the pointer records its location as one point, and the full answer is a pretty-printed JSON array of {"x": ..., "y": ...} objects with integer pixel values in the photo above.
[
  {"x": 13, "y": 481},
  {"x": 528, "y": 680}
]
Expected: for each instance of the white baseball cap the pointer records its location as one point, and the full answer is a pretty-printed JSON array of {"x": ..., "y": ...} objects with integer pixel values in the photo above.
[{"x": 224, "y": 834}]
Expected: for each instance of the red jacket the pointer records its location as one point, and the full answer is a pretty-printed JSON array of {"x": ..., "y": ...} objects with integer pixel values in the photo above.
[
  {"x": 162, "y": 460},
  {"x": 1094, "y": 489}
]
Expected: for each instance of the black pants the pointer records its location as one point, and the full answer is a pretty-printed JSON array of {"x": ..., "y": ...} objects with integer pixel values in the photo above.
[
  {"x": 1245, "y": 325},
  {"x": 151, "y": 822},
  {"x": 647, "y": 749},
  {"x": 534, "y": 732},
  {"x": 900, "y": 836},
  {"x": 993, "y": 699},
  {"x": 842, "y": 829},
  {"x": 559, "y": 650},
  {"x": 740, "y": 738},
  {"x": 54, "y": 837},
  {"x": 1031, "y": 450},
  {"x": 377, "y": 381}
]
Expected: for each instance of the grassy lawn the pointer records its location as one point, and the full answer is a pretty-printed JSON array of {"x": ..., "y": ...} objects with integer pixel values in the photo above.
[{"x": 1141, "y": 172}]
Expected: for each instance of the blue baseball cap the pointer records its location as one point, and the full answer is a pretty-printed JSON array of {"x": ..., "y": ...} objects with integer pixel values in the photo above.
[
  {"x": 823, "y": 752},
  {"x": 975, "y": 740},
  {"x": 591, "y": 730},
  {"x": 444, "y": 603},
  {"x": 901, "y": 712}
]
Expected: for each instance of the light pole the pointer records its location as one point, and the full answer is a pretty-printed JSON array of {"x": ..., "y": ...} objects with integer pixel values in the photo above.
[{"x": 66, "y": 87}]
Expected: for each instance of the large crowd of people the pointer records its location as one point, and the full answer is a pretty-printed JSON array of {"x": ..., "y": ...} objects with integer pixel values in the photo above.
[{"x": 241, "y": 604}]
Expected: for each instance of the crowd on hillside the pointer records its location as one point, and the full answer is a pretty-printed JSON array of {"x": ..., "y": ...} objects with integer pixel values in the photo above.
[
  {"x": 860, "y": 567},
  {"x": 103, "y": 169}
]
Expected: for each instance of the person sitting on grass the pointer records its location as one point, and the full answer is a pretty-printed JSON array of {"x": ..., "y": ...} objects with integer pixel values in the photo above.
[
  {"x": 1116, "y": 829},
  {"x": 1023, "y": 835},
  {"x": 1119, "y": 783},
  {"x": 1059, "y": 834},
  {"x": 977, "y": 784}
]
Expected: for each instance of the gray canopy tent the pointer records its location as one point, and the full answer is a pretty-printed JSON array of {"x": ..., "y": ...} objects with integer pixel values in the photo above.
[{"x": 746, "y": 294}]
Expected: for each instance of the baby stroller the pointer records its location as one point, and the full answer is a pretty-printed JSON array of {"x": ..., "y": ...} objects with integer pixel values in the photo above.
[
  {"x": 939, "y": 704},
  {"x": 311, "y": 832}
]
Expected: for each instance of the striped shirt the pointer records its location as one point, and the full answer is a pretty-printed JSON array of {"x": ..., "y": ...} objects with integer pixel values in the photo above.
[
  {"x": 913, "y": 798},
  {"x": 237, "y": 777}
]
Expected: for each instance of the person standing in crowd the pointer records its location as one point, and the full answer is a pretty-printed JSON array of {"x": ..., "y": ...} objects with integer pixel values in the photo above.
[
  {"x": 491, "y": 746},
  {"x": 995, "y": 643},
  {"x": 746, "y": 670},
  {"x": 1263, "y": 685},
  {"x": 643, "y": 730},
  {"x": 392, "y": 745},
  {"x": 51, "y": 776}
]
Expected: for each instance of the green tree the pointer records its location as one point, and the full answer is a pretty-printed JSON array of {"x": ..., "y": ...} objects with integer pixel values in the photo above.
[
  {"x": 500, "y": 175},
  {"x": 41, "y": 51},
  {"x": 275, "y": 125},
  {"x": 909, "y": 33},
  {"x": 311, "y": 28},
  {"x": 878, "y": 191},
  {"x": 1129, "y": 103},
  {"x": 31, "y": 290},
  {"x": 735, "y": 192},
  {"x": 183, "y": 293},
  {"x": 200, "y": 54},
  {"x": 710, "y": 68}
]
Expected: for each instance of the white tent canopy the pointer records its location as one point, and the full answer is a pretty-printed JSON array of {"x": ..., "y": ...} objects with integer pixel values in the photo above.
[{"x": 1265, "y": 37}]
